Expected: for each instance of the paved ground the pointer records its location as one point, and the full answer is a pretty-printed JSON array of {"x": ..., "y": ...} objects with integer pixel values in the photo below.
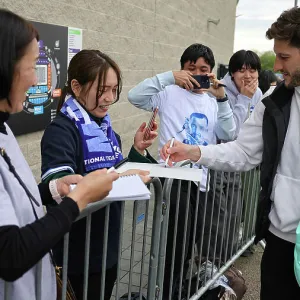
[
  {"x": 140, "y": 251},
  {"x": 249, "y": 266}
]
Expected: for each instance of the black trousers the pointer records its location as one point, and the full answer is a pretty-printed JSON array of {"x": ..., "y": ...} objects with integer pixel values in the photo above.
[
  {"x": 278, "y": 281},
  {"x": 94, "y": 284}
]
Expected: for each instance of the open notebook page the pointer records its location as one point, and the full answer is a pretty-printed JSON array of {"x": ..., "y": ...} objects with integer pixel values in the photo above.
[{"x": 159, "y": 170}]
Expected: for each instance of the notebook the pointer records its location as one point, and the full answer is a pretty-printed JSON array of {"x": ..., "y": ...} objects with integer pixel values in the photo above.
[
  {"x": 125, "y": 188},
  {"x": 159, "y": 170},
  {"x": 129, "y": 187}
]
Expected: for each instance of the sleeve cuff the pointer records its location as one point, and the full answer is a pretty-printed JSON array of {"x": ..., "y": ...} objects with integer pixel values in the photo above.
[
  {"x": 222, "y": 99},
  {"x": 223, "y": 107},
  {"x": 205, "y": 158},
  {"x": 135, "y": 156},
  {"x": 70, "y": 208},
  {"x": 166, "y": 79}
]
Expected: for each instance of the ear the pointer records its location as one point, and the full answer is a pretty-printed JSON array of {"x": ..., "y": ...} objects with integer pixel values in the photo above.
[{"x": 76, "y": 87}]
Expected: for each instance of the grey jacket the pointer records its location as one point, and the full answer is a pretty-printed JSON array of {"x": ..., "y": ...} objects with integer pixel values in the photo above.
[
  {"x": 241, "y": 105},
  {"x": 15, "y": 209}
]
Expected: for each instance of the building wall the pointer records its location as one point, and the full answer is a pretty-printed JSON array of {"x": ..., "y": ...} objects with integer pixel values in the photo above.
[{"x": 145, "y": 37}]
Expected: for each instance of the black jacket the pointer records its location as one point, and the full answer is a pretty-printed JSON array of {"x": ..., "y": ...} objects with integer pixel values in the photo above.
[{"x": 274, "y": 128}]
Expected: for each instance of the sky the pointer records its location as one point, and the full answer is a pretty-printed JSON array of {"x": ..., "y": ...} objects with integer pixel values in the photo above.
[{"x": 253, "y": 19}]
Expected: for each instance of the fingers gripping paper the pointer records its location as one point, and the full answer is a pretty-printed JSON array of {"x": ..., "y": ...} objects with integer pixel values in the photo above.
[
  {"x": 125, "y": 188},
  {"x": 129, "y": 187}
]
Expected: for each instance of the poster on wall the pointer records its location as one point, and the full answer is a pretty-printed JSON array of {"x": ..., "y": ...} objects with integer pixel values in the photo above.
[{"x": 57, "y": 45}]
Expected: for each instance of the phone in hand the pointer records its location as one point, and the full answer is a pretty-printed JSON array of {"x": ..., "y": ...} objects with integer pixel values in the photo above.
[
  {"x": 203, "y": 80},
  {"x": 150, "y": 124}
]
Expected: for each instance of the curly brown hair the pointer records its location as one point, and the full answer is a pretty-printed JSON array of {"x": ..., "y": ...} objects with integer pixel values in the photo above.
[{"x": 287, "y": 27}]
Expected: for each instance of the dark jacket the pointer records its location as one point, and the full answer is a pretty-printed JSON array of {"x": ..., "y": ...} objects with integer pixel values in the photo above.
[
  {"x": 274, "y": 128},
  {"x": 61, "y": 146}
]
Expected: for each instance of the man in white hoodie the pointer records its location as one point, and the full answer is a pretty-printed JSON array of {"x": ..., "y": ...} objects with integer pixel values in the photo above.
[{"x": 270, "y": 137}]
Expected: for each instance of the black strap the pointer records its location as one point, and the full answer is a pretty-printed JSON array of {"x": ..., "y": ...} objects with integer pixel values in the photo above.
[
  {"x": 30, "y": 196},
  {"x": 13, "y": 170}
]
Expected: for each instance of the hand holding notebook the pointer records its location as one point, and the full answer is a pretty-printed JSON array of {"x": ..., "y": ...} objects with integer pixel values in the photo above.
[{"x": 128, "y": 187}]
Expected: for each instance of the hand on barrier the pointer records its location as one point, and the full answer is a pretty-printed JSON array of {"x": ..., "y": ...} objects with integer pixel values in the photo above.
[
  {"x": 93, "y": 187},
  {"x": 179, "y": 152},
  {"x": 143, "y": 174},
  {"x": 139, "y": 144}
]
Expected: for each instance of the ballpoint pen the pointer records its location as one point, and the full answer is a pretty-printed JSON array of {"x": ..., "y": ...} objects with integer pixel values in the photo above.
[{"x": 171, "y": 145}]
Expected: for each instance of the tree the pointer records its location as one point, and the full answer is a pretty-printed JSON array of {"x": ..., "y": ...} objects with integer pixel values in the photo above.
[{"x": 267, "y": 60}]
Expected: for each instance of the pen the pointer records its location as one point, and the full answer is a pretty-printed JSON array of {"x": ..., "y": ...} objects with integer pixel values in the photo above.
[
  {"x": 118, "y": 165},
  {"x": 171, "y": 145}
]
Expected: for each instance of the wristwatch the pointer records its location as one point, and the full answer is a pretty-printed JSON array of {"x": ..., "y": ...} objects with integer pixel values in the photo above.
[
  {"x": 222, "y": 99},
  {"x": 54, "y": 192}
]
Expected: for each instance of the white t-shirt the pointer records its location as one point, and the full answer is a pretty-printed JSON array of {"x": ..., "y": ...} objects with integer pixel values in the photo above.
[
  {"x": 187, "y": 116},
  {"x": 191, "y": 118}
]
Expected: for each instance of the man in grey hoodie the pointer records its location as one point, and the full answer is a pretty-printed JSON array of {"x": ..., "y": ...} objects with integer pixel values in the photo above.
[
  {"x": 243, "y": 94},
  {"x": 242, "y": 85}
]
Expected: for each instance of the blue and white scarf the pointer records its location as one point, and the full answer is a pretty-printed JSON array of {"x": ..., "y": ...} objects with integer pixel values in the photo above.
[{"x": 100, "y": 145}]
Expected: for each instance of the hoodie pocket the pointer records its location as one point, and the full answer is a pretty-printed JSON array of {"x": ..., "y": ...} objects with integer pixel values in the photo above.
[{"x": 285, "y": 213}]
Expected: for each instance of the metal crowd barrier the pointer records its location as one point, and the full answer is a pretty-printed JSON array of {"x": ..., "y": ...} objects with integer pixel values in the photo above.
[
  {"x": 214, "y": 230},
  {"x": 154, "y": 251},
  {"x": 222, "y": 228}
]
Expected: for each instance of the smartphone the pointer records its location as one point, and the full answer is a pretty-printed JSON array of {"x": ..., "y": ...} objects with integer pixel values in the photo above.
[
  {"x": 150, "y": 124},
  {"x": 203, "y": 80}
]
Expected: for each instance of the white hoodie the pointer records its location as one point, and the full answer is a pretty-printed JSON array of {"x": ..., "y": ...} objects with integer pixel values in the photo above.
[
  {"x": 241, "y": 105},
  {"x": 246, "y": 152}
]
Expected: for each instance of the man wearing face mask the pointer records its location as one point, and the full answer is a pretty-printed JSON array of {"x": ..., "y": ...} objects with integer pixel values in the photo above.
[{"x": 270, "y": 137}]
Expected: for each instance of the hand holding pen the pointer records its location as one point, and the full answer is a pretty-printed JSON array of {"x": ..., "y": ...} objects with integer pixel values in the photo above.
[
  {"x": 179, "y": 152},
  {"x": 171, "y": 145}
]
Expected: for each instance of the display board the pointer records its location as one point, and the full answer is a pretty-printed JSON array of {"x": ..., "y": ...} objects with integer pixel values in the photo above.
[{"x": 57, "y": 45}]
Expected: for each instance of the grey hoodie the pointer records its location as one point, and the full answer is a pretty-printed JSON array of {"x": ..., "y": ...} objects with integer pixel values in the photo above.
[{"x": 241, "y": 105}]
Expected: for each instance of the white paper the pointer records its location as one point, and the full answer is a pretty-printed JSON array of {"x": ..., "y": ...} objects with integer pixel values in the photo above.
[
  {"x": 159, "y": 170},
  {"x": 126, "y": 188},
  {"x": 129, "y": 188}
]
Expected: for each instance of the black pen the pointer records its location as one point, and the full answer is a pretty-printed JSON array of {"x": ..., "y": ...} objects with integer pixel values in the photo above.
[{"x": 118, "y": 165}]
